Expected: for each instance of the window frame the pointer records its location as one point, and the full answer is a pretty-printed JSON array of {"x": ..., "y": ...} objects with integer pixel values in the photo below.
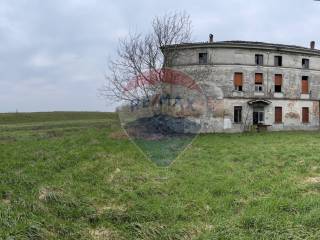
[
  {"x": 276, "y": 120},
  {"x": 237, "y": 114},
  {"x": 261, "y": 117},
  {"x": 255, "y": 79},
  {"x": 258, "y": 86},
  {"x": 258, "y": 115},
  {"x": 259, "y": 59},
  {"x": 305, "y": 121},
  {"x": 240, "y": 86},
  {"x": 203, "y": 58},
  {"x": 276, "y": 86},
  {"x": 278, "y": 63},
  {"x": 305, "y": 78},
  {"x": 305, "y": 65}
]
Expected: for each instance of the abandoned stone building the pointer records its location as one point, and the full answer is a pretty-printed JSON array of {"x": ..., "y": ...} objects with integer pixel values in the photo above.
[{"x": 248, "y": 84}]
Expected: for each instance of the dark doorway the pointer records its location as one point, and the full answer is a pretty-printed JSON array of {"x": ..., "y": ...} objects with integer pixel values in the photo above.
[{"x": 258, "y": 116}]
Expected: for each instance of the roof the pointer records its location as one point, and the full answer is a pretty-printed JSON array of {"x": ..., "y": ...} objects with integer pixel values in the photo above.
[{"x": 248, "y": 45}]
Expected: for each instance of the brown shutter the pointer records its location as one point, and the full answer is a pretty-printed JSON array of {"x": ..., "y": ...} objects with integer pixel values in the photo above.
[
  {"x": 278, "y": 79},
  {"x": 304, "y": 86},
  {"x": 238, "y": 79},
  {"x": 278, "y": 115},
  {"x": 305, "y": 115},
  {"x": 259, "y": 78}
]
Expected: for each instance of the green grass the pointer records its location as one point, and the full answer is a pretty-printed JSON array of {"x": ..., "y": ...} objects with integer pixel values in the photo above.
[
  {"x": 77, "y": 177},
  {"x": 164, "y": 151}
]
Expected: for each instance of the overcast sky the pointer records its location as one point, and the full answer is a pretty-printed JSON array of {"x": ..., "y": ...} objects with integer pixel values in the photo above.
[{"x": 54, "y": 52}]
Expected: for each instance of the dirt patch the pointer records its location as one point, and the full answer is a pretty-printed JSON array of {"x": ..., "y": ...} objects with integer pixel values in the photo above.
[
  {"x": 120, "y": 135},
  {"x": 116, "y": 172},
  {"x": 6, "y": 201},
  {"x": 54, "y": 134},
  {"x": 111, "y": 207},
  {"x": 313, "y": 180},
  {"x": 193, "y": 232},
  {"x": 51, "y": 134},
  {"x": 104, "y": 234},
  {"x": 47, "y": 194},
  {"x": 6, "y": 197},
  {"x": 94, "y": 142}
]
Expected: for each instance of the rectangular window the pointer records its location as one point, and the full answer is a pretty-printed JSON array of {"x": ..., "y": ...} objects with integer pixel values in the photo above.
[
  {"x": 278, "y": 114},
  {"x": 261, "y": 117},
  {"x": 203, "y": 58},
  {"x": 259, "y": 78},
  {"x": 278, "y": 61},
  {"x": 238, "y": 81},
  {"x": 304, "y": 85},
  {"x": 278, "y": 83},
  {"x": 258, "y": 116},
  {"x": 305, "y": 115},
  {"x": 258, "y": 82},
  {"x": 237, "y": 114},
  {"x": 305, "y": 63},
  {"x": 258, "y": 88},
  {"x": 259, "y": 59}
]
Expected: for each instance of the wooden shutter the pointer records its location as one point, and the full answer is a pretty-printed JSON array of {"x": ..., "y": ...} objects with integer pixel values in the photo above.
[
  {"x": 259, "y": 78},
  {"x": 278, "y": 79},
  {"x": 278, "y": 115},
  {"x": 305, "y": 115},
  {"x": 304, "y": 86},
  {"x": 238, "y": 79}
]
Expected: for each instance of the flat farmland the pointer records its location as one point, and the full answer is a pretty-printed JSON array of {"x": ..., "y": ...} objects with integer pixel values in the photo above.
[{"x": 75, "y": 175}]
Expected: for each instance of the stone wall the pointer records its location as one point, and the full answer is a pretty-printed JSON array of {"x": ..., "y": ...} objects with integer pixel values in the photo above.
[{"x": 216, "y": 79}]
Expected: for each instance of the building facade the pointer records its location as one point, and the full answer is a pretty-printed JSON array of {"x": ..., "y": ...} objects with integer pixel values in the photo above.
[{"x": 250, "y": 84}]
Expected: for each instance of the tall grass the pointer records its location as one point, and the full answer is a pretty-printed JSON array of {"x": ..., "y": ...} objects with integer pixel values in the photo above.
[{"x": 74, "y": 179}]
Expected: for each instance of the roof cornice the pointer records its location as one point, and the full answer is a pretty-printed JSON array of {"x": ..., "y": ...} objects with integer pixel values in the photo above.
[{"x": 247, "y": 45}]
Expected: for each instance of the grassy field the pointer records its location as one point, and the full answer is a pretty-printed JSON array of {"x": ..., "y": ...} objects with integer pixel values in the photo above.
[{"x": 76, "y": 176}]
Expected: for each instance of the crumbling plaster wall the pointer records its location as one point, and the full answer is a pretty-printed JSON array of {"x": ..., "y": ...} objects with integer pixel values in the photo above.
[
  {"x": 223, "y": 63},
  {"x": 222, "y": 119},
  {"x": 216, "y": 80}
]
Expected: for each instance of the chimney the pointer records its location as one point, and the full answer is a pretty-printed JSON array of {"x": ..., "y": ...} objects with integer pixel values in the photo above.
[
  {"x": 312, "y": 44},
  {"x": 210, "y": 38}
]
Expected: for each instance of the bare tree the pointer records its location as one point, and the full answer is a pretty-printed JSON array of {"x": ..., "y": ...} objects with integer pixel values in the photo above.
[
  {"x": 138, "y": 67},
  {"x": 246, "y": 124}
]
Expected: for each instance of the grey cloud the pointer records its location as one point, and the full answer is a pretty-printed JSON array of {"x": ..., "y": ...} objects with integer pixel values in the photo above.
[{"x": 54, "y": 53}]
